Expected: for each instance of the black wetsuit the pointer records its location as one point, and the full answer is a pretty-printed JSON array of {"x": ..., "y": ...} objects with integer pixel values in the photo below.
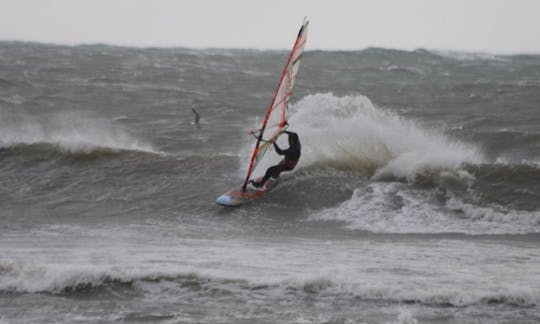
[{"x": 292, "y": 155}]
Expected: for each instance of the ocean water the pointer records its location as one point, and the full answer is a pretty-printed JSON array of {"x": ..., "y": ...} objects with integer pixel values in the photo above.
[{"x": 416, "y": 200}]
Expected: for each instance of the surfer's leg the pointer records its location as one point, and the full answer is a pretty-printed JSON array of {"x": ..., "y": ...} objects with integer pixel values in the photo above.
[{"x": 271, "y": 172}]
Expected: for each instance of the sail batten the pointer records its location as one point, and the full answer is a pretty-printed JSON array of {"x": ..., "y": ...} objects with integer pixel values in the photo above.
[{"x": 277, "y": 111}]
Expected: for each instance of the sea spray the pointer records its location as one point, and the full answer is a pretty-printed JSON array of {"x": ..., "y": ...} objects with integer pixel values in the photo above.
[
  {"x": 72, "y": 132},
  {"x": 351, "y": 133}
]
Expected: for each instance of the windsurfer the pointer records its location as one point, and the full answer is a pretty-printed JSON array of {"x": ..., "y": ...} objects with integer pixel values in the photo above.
[
  {"x": 291, "y": 157},
  {"x": 196, "y": 121}
]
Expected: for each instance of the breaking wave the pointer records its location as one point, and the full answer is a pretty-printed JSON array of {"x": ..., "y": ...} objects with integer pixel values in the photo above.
[
  {"x": 68, "y": 132},
  {"x": 29, "y": 278},
  {"x": 416, "y": 180},
  {"x": 395, "y": 207},
  {"x": 350, "y": 133}
]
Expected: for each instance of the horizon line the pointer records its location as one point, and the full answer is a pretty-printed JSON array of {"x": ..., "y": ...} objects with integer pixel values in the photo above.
[{"x": 203, "y": 48}]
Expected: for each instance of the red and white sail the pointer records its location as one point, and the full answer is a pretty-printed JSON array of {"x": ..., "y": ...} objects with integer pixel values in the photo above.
[{"x": 274, "y": 122}]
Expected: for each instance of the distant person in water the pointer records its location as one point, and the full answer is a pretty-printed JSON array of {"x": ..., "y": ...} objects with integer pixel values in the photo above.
[
  {"x": 195, "y": 122},
  {"x": 292, "y": 155}
]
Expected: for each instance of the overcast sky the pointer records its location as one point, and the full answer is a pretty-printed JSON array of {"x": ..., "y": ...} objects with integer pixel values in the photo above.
[{"x": 496, "y": 26}]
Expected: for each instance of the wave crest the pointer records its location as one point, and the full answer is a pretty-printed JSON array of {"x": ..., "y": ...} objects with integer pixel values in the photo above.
[
  {"x": 29, "y": 278},
  {"x": 351, "y": 133},
  {"x": 69, "y": 132}
]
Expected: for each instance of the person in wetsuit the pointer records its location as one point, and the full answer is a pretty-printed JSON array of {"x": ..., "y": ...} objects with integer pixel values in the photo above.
[{"x": 292, "y": 155}]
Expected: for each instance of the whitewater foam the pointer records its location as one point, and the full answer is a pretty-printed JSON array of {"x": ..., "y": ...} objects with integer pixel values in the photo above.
[
  {"x": 351, "y": 133},
  {"x": 70, "y": 132},
  {"x": 508, "y": 161},
  {"x": 396, "y": 207},
  {"x": 323, "y": 279},
  {"x": 468, "y": 56},
  {"x": 405, "y": 317},
  {"x": 524, "y": 221}
]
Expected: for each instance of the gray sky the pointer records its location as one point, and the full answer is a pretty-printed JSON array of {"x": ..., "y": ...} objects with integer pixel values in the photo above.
[{"x": 496, "y": 26}]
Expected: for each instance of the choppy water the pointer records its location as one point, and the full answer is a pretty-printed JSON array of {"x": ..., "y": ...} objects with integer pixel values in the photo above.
[{"x": 417, "y": 198}]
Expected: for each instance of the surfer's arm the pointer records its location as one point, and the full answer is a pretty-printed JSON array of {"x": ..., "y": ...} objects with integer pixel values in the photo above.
[{"x": 278, "y": 150}]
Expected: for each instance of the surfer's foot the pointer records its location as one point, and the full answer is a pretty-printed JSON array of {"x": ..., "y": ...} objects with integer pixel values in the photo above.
[{"x": 255, "y": 184}]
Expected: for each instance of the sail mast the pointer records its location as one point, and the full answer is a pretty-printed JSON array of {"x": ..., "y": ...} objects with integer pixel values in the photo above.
[{"x": 286, "y": 76}]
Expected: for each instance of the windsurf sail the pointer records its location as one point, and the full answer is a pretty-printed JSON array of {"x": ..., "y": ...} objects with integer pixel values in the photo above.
[{"x": 275, "y": 120}]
